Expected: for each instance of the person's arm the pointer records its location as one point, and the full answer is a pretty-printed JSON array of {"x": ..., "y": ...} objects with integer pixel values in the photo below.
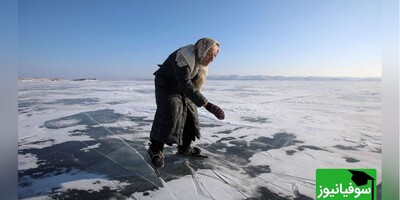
[
  {"x": 184, "y": 79},
  {"x": 183, "y": 76}
]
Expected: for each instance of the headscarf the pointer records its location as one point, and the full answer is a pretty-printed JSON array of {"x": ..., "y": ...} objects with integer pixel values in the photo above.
[
  {"x": 202, "y": 46},
  {"x": 192, "y": 55}
]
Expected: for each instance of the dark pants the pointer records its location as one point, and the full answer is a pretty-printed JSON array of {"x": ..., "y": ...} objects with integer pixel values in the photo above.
[{"x": 188, "y": 136}]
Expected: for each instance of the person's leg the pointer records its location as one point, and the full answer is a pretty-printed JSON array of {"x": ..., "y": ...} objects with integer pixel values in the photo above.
[
  {"x": 156, "y": 146},
  {"x": 157, "y": 130},
  {"x": 188, "y": 131},
  {"x": 188, "y": 137}
]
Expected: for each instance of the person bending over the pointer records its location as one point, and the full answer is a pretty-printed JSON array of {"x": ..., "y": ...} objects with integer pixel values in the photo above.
[{"x": 178, "y": 84}]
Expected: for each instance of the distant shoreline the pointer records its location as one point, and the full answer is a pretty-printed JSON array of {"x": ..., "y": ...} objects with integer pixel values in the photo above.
[
  {"x": 55, "y": 79},
  {"x": 217, "y": 77},
  {"x": 306, "y": 78}
]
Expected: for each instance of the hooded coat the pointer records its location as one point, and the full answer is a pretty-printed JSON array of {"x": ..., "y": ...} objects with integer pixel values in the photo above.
[{"x": 177, "y": 89}]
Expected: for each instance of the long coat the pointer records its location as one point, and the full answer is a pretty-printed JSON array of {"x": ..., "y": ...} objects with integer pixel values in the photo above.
[{"x": 176, "y": 99}]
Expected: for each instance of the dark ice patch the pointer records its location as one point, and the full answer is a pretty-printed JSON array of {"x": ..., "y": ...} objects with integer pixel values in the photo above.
[
  {"x": 76, "y": 101},
  {"x": 112, "y": 158},
  {"x": 224, "y": 132},
  {"x": 302, "y": 197},
  {"x": 84, "y": 118},
  {"x": 146, "y": 194},
  {"x": 228, "y": 131},
  {"x": 303, "y": 147},
  {"x": 101, "y": 132},
  {"x": 23, "y": 104},
  {"x": 377, "y": 150},
  {"x": 374, "y": 138},
  {"x": 290, "y": 152},
  {"x": 278, "y": 141},
  {"x": 226, "y": 139},
  {"x": 43, "y": 141},
  {"x": 104, "y": 193},
  {"x": 178, "y": 166},
  {"x": 351, "y": 160},
  {"x": 239, "y": 143},
  {"x": 210, "y": 125},
  {"x": 63, "y": 158},
  {"x": 342, "y": 147},
  {"x": 255, "y": 171},
  {"x": 114, "y": 102},
  {"x": 266, "y": 193},
  {"x": 95, "y": 118},
  {"x": 256, "y": 119},
  {"x": 145, "y": 91},
  {"x": 361, "y": 146},
  {"x": 241, "y": 152}
]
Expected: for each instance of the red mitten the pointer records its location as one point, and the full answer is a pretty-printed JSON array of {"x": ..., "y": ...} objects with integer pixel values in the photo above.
[{"x": 217, "y": 111}]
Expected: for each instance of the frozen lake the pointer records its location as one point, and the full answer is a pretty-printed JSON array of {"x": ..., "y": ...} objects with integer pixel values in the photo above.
[{"x": 88, "y": 139}]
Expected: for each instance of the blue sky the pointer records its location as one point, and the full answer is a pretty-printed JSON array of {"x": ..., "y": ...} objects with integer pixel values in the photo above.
[{"x": 128, "y": 38}]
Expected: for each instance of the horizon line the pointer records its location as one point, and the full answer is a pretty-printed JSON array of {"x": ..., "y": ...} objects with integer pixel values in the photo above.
[{"x": 232, "y": 76}]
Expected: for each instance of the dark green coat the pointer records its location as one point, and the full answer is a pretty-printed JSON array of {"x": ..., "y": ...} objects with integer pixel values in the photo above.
[{"x": 176, "y": 98}]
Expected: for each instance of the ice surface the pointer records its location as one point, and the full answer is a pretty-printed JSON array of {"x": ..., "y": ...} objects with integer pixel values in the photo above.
[{"x": 88, "y": 139}]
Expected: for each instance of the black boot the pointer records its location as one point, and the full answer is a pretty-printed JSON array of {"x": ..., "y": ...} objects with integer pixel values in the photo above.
[
  {"x": 189, "y": 151},
  {"x": 157, "y": 158},
  {"x": 155, "y": 153}
]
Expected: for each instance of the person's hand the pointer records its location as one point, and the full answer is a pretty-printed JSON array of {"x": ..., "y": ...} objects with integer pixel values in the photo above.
[{"x": 217, "y": 111}]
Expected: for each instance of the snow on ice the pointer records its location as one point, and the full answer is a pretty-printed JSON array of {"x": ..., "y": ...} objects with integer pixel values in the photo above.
[{"x": 88, "y": 139}]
